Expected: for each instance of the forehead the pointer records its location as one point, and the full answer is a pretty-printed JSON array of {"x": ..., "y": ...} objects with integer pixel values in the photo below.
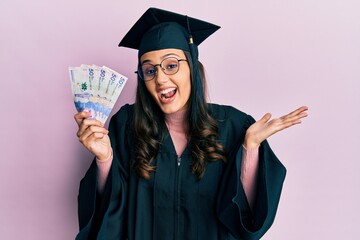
[{"x": 158, "y": 55}]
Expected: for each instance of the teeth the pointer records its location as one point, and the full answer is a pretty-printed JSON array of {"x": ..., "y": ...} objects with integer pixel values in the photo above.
[{"x": 165, "y": 91}]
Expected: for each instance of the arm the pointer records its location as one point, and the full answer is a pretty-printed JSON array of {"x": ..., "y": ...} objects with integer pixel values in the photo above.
[
  {"x": 233, "y": 208},
  {"x": 102, "y": 215},
  {"x": 103, "y": 173},
  {"x": 255, "y": 135},
  {"x": 249, "y": 173}
]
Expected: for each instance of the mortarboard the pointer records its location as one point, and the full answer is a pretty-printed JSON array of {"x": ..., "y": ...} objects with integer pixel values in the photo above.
[{"x": 159, "y": 29}]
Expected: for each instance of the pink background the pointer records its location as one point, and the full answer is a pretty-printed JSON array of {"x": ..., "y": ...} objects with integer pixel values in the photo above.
[{"x": 269, "y": 56}]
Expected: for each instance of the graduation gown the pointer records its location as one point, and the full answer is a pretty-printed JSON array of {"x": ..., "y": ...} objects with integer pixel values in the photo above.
[{"x": 174, "y": 204}]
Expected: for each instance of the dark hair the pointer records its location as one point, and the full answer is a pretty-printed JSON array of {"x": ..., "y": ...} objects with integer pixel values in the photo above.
[{"x": 148, "y": 123}]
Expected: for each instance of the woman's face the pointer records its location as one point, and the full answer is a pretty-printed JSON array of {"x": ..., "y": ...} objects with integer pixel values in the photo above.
[{"x": 170, "y": 92}]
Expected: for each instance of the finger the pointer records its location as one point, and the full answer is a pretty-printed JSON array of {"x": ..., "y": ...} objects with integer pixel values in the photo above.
[
  {"x": 286, "y": 123},
  {"x": 86, "y": 123},
  {"x": 91, "y": 139},
  {"x": 265, "y": 118},
  {"x": 288, "y": 120},
  {"x": 302, "y": 115},
  {"x": 298, "y": 111},
  {"x": 296, "y": 117},
  {"x": 97, "y": 132},
  {"x": 92, "y": 122},
  {"x": 80, "y": 116},
  {"x": 99, "y": 135},
  {"x": 93, "y": 129}
]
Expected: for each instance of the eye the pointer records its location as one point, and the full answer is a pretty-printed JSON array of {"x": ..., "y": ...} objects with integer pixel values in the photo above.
[
  {"x": 148, "y": 70},
  {"x": 171, "y": 66}
]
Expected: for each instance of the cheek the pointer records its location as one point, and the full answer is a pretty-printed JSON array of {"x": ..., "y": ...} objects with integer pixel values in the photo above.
[
  {"x": 185, "y": 90},
  {"x": 187, "y": 85}
]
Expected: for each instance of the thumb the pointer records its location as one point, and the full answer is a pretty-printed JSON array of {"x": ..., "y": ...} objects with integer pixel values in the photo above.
[{"x": 265, "y": 118}]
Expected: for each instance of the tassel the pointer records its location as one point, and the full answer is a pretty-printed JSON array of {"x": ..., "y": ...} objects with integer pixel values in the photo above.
[{"x": 197, "y": 86}]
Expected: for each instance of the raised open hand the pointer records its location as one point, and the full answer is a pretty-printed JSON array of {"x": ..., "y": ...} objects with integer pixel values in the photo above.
[{"x": 262, "y": 129}]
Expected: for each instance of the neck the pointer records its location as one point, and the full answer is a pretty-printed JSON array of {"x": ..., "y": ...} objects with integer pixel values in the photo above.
[
  {"x": 177, "y": 121},
  {"x": 178, "y": 129}
]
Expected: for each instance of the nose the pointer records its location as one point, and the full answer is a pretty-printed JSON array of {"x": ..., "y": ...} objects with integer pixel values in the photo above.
[{"x": 160, "y": 76}]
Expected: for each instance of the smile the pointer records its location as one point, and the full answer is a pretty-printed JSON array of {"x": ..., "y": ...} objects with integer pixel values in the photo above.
[{"x": 167, "y": 95}]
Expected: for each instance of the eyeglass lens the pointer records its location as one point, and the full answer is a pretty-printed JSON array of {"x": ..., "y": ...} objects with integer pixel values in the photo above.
[{"x": 169, "y": 66}]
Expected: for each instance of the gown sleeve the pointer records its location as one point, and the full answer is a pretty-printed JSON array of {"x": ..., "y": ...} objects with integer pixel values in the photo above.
[
  {"x": 232, "y": 207},
  {"x": 103, "y": 216}
]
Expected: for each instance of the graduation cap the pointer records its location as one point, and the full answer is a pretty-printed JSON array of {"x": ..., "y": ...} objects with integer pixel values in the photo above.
[{"x": 159, "y": 29}]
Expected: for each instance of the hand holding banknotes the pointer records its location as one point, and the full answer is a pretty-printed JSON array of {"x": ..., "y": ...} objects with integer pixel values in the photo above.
[
  {"x": 93, "y": 135},
  {"x": 95, "y": 90}
]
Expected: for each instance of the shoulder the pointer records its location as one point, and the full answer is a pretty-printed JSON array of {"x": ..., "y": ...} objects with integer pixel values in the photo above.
[
  {"x": 230, "y": 114},
  {"x": 232, "y": 124},
  {"x": 122, "y": 118},
  {"x": 124, "y": 113},
  {"x": 125, "y": 109}
]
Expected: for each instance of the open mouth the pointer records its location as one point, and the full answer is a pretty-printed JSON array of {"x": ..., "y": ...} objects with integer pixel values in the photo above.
[{"x": 167, "y": 93}]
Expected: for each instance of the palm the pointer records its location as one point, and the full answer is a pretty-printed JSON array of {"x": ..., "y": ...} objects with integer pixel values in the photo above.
[{"x": 263, "y": 129}]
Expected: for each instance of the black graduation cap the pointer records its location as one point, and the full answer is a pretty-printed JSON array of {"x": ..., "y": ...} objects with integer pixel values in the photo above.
[{"x": 159, "y": 29}]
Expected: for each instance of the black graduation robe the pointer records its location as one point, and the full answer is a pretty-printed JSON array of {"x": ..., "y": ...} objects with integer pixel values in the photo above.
[{"x": 174, "y": 204}]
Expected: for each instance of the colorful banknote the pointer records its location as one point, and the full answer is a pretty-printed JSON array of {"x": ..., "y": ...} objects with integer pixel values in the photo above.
[{"x": 96, "y": 89}]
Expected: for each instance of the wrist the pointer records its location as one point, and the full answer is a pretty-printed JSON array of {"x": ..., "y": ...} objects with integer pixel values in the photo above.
[
  {"x": 105, "y": 157},
  {"x": 249, "y": 143}
]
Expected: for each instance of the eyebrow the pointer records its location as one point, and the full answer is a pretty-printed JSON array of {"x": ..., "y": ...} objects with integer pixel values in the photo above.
[{"x": 165, "y": 56}]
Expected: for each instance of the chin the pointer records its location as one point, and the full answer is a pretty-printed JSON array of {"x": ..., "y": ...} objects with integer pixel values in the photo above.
[
  {"x": 171, "y": 109},
  {"x": 168, "y": 110}
]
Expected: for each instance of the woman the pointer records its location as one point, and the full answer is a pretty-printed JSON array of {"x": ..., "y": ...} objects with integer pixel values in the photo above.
[{"x": 172, "y": 166}]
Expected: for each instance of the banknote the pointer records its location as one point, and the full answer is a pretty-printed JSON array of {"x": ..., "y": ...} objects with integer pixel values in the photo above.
[{"x": 96, "y": 89}]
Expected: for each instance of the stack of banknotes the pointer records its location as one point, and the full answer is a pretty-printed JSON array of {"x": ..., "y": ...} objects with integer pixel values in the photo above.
[{"x": 95, "y": 89}]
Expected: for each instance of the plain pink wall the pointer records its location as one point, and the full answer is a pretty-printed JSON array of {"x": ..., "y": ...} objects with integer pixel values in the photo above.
[{"x": 268, "y": 56}]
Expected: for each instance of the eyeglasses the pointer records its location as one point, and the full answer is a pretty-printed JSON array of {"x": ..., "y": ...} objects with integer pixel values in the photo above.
[{"x": 169, "y": 66}]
